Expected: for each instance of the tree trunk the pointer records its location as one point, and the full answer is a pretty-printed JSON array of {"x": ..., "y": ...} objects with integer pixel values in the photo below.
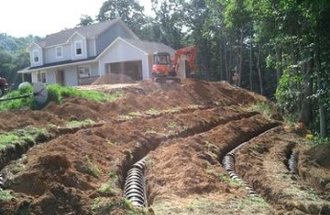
[
  {"x": 251, "y": 65},
  {"x": 278, "y": 62},
  {"x": 226, "y": 60},
  {"x": 261, "y": 85},
  {"x": 306, "y": 107},
  {"x": 230, "y": 62},
  {"x": 323, "y": 132},
  {"x": 220, "y": 60},
  {"x": 240, "y": 63}
]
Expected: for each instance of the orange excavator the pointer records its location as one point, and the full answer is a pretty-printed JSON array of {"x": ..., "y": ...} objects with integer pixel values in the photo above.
[{"x": 166, "y": 68}]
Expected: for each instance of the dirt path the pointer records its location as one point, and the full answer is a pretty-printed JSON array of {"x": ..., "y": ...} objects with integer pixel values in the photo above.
[{"x": 184, "y": 130}]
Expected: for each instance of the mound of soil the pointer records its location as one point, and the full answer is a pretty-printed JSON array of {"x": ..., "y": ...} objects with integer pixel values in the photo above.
[
  {"x": 113, "y": 78},
  {"x": 321, "y": 155},
  {"x": 184, "y": 129}
]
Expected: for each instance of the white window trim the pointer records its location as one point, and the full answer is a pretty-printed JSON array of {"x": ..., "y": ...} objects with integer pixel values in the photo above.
[
  {"x": 86, "y": 66},
  {"x": 75, "y": 48},
  {"x": 37, "y": 55},
  {"x": 59, "y": 47}
]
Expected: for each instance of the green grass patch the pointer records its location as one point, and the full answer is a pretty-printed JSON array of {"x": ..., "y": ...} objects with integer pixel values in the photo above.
[
  {"x": 231, "y": 182},
  {"x": 93, "y": 169},
  {"x": 262, "y": 107},
  {"x": 78, "y": 124},
  {"x": 101, "y": 205},
  {"x": 110, "y": 187},
  {"x": 5, "y": 195},
  {"x": 21, "y": 135},
  {"x": 56, "y": 93}
]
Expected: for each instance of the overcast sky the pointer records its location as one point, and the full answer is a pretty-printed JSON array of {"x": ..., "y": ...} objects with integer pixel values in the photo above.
[{"x": 20, "y": 18}]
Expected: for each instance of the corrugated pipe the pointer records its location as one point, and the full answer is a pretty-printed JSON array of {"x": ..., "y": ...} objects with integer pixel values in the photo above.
[
  {"x": 134, "y": 189},
  {"x": 2, "y": 181},
  {"x": 228, "y": 163},
  {"x": 292, "y": 163}
]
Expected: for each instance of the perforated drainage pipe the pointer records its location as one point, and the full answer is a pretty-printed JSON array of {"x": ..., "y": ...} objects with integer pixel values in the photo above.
[
  {"x": 2, "y": 181},
  {"x": 292, "y": 163},
  {"x": 134, "y": 189},
  {"x": 228, "y": 163}
]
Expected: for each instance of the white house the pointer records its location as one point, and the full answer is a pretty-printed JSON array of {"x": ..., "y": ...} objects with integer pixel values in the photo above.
[{"x": 80, "y": 55}]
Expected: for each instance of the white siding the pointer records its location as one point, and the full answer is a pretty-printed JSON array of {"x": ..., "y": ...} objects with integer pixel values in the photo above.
[
  {"x": 34, "y": 77},
  {"x": 50, "y": 54},
  {"x": 75, "y": 38},
  {"x": 51, "y": 77},
  {"x": 121, "y": 52},
  {"x": 41, "y": 59},
  {"x": 70, "y": 76}
]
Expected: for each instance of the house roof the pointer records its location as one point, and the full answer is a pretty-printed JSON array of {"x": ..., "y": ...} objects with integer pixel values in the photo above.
[
  {"x": 151, "y": 47},
  {"x": 89, "y": 31}
]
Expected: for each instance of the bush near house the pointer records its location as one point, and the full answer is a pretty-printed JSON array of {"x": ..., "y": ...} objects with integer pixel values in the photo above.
[{"x": 56, "y": 93}]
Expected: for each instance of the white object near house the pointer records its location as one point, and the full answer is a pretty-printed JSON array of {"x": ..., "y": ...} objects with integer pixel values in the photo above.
[{"x": 78, "y": 56}]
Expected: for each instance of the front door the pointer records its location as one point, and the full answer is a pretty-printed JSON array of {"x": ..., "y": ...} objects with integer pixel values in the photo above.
[{"x": 60, "y": 77}]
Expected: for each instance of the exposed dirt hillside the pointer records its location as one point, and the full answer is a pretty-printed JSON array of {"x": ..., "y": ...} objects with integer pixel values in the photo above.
[{"x": 184, "y": 131}]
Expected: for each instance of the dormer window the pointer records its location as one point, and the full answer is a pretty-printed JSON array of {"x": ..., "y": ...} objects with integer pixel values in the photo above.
[
  {"x": 59, "y": 52},
  {"x": 78, "y": 48},
  {"x": 36, "y": 56}
]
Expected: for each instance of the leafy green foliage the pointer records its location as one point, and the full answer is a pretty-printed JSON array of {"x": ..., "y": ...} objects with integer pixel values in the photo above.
[
  {"x": 56, "y": 93},
  {"x": 130, "y": 11},
  {"x": 21, "y": 135},
  {"x": 5, "y": 195}
]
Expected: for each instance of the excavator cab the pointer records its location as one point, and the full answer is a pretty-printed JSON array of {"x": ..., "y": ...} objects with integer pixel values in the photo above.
[{"x": 162, "y": 66}]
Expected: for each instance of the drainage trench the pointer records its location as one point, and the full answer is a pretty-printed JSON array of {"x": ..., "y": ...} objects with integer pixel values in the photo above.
[
  {"x": 292, "y": 162},
  {"x": 150, "y": 144},
  {"x": 135, "y": 185},
  {"x": 228, "y": 161}
]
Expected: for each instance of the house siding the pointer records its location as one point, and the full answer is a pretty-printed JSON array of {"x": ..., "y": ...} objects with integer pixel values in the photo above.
[
  {"x": 41, "y": 55},
  {"x": 91, "y": 49},
  {"x": 107, "y": 37},
  {"x": 121, "y": 52},
  {"x": 50, "y": 54},
  {"x": 51, "y": 76},
  {"x": 71, "y": 76}
]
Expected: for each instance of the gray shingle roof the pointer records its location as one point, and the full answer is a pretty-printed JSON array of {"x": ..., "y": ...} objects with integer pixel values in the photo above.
[
  {"x": 88, "y": 31},
  {"x": 151, "y": 47}
]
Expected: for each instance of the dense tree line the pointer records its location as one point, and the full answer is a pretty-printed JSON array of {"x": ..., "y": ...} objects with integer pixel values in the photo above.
[
  {"x": 13, "y": 56},
  {"x": 278, "y": 48}
]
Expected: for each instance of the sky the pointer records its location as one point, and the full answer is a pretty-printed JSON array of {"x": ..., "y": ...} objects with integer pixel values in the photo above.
[{"x": 20, "y": 18}]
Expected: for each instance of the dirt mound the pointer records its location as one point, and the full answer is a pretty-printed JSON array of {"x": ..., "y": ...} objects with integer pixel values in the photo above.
[
  {"x": 184, "y": 129},
  {"x": 19, "y": 119},
  {"x": 113, "y": 79},
  {"x": 320, "y": 154}
]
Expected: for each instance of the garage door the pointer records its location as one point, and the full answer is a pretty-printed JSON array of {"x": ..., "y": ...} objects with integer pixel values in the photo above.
[{"x": 131, "y": 69}]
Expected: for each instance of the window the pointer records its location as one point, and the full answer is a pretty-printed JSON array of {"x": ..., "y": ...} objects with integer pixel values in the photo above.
[
  {"x": 41, "y": 76},
  {"x": 84, "y": 72},
  {"x": 78, "y": 48},
  {"x": 59, "y": 52},
  {"x": 35, "y": 56}
]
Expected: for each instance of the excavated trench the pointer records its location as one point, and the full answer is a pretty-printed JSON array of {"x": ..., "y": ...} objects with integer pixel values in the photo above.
[
  {"x": 139, "y": 153},
  {"x": 228, "y": 161},
  {"x": 15, "y": 151},
  {"x": 135, "y": 185}
]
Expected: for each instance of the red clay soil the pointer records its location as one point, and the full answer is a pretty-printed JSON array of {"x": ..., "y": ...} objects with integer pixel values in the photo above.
[
  {"x": 263, "y": 163},
  {"x": 183, "y": 129},
  {"x": 113, "y": 78}
]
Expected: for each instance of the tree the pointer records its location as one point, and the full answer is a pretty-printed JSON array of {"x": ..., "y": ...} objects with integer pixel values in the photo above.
[
  {"x": 130, "y": 11},
  {"x": 85, "y": 20}
]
